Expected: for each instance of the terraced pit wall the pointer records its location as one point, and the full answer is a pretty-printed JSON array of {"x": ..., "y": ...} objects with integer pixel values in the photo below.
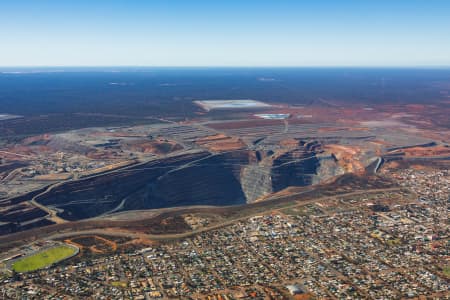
[{"x": 201, "y": 178}]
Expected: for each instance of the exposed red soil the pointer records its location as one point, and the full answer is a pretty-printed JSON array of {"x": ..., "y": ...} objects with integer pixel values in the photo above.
[
  {"x": 423, "y": 151},
  {"x": 160, "y": 146},
  {"x": 221, "y": 142},
  {"x": 347, "y": 157}
]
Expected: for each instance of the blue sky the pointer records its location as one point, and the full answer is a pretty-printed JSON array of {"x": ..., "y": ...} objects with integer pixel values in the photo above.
[{"x": 224, "y": 33}]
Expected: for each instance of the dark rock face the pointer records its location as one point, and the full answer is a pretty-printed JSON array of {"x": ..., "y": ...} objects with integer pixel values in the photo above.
[
  {"x": 213, "y": 180},
  {"x": 21, "y": 213},
  {"x": 195, "y": 179},
  {"x": 191, "y": 179},
  {"x": 209, "y": 184},
  {"x": 11, "y": 227},
  {"x": 94, "y": 196},
  {"x": 295, "y": 168}
]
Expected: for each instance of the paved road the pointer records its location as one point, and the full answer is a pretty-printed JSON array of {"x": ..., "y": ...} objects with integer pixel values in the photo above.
[{"x": 52, "y": 215}]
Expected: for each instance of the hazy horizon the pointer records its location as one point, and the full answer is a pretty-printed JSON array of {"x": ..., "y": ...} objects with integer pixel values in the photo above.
[
  {"x": 231, "y": 33},
  {"x": 130, "y": 68}
]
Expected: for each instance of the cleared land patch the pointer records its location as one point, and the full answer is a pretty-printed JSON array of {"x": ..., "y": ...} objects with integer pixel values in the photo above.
[
  {"x": 94, "y": 243},
  {"x": 44, "y": 258}
]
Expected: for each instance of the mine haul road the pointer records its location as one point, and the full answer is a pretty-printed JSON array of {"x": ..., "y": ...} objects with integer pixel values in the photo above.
[{"x": 52, "y": 215}]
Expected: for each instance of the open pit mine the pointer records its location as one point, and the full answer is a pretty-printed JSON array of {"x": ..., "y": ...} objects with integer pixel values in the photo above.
[
  {"x": 198, "y": 177},
  {"x": 230, "y": 159}
]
